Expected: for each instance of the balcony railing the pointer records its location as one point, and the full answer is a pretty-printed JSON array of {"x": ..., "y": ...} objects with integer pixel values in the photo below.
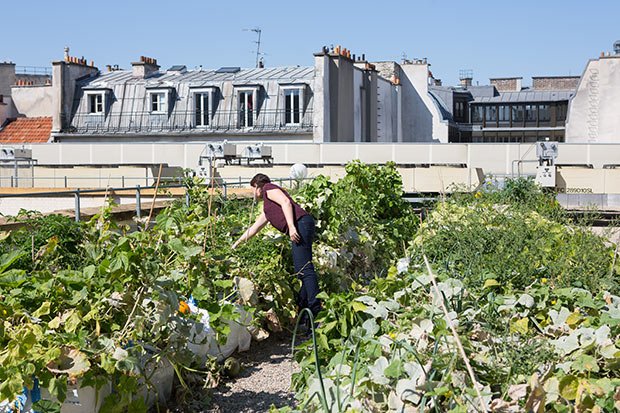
[
  {"x": 33, "y": 70},
  {"x": 264, "y": 121}
]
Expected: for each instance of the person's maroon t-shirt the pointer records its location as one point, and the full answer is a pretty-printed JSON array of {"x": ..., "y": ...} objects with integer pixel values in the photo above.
[{"x": 273, "y": 210}]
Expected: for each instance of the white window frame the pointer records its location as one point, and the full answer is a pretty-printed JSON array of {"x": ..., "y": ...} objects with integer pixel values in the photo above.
[
  {"x": 162, "y": 106},
  {"x": 254, "y": 90},
  {"x": 100, "y": 107},
  {"x": 301, "y": 89},
  {"x": 203, "y": 91}
]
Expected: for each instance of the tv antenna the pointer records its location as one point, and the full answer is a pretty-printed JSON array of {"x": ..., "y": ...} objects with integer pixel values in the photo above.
[{"x": 258, "y": 32}]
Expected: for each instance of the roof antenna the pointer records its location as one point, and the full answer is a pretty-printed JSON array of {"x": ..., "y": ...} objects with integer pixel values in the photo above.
[{"x": 258, "y": 32}]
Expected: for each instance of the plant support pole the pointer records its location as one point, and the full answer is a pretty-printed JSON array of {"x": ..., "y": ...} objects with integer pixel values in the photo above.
[
  {"x": 146, "y": 226},
  {"x": 138, "y": 206},
  {"x": 77, "y": 205},
  {"x": 457, "y": 339}
]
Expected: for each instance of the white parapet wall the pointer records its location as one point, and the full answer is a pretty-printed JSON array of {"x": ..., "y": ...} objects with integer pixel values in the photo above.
[
  {"x": 435, "y": 179},
  {"x": 500, "y": 158}
]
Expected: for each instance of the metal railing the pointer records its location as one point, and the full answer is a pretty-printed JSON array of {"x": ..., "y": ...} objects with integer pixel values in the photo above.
[
  {"x": 33, "y": 70},
  {"x": 186, "y": 121},
  {"x": 219, "y": 184},
  {"x": 81, "y": 181}
]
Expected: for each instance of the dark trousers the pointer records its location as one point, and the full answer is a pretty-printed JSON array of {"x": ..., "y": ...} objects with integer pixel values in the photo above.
[{"x": 304, "y": 269}]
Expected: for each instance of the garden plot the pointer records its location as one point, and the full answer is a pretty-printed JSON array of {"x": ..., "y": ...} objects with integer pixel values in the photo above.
[{"x": 531, "y": 298}]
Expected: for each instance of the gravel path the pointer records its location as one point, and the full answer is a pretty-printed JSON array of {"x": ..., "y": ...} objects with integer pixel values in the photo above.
[{"x": 265, "y": 379}]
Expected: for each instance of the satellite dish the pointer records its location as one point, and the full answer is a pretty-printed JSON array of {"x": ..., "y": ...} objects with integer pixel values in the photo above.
[{"x": 299, "y": 171}]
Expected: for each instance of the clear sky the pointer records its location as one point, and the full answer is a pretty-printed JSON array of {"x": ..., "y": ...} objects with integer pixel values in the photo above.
[{"x": 492, "y": 38}]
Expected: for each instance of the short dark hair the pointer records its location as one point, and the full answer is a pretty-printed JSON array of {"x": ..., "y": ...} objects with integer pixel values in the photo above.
[{"x": 260, "y": 180}]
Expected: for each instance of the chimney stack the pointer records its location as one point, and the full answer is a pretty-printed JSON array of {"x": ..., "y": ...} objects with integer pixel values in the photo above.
[
  {"x": 466, "y": 81},
  {"x": 145, "y": 67},
  {"x": 466, "y": 77}
]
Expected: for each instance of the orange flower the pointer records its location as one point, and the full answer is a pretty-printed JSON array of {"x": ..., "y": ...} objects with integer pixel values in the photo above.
[{"x": 183, "y": 307}]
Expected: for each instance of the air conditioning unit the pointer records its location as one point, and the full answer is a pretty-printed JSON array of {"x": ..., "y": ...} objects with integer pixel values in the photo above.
[
  {"x": 219, "y": 150},
  {"x": 23, "y": 153},
  {"x": 7, "y": 153},
  {"x": 547, "y": 152},
  {"x": 258, "y": 151}
]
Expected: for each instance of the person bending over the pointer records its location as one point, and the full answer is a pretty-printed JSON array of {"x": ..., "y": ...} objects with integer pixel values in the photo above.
[{"x": 287, "y": 216}]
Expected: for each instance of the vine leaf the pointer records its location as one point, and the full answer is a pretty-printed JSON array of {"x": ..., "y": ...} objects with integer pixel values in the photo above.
[{"x": 71, "y": 362}]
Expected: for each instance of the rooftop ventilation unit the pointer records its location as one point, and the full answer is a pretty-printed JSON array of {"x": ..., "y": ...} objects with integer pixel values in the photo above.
[
  {"x": 211, "y": 153},
  {"x": 547, "y": 152},
  {"x": 256, "y": 152},
  {"x": 227, "y": 69},
  {"x": 220, "y": 150}
]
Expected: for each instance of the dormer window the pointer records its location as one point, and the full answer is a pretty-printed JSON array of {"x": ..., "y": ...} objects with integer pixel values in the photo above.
[
  {"x": 292, "y": 106},
  {"x": 96, "y": 102},
  {"x": 293, "y": 95},
  {"x": 204, "y": 106},
  {"x": 159, "y": 102},
  {"x": 246, "y": 108},
  {"x": 247, "y": 105}
]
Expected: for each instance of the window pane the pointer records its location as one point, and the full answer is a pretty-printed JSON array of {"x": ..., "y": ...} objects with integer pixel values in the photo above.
[
  {"x": 205, "y": 109},
  {"x": 158, "y": 102},
  {"x": 296, "y": 107},
  {"x": 288, "y": 106},
  {"x": 242, "y": 106},
  {"x": 477, "y": 113},
  {"x": 245, "y": 109},
  {"x": 517, "y": 113},
  {"x": 543, "y": 113},
  {"x": 162, "y": 103},
  {"x": 530, "y": 113},
  {"x": 504, "y": 113},
  {"x": 201, "y": 108},
  {"x": 491, "y": 113},
  {"x": 561, "y": 112},
  {"x": 198, "y": 109}
]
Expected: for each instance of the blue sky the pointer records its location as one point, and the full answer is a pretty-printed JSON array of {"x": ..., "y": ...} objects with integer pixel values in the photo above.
[{"x": 493, "y": 38}]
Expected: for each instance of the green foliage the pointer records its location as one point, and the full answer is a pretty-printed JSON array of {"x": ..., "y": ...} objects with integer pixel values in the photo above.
[
  {"x": 363, "y": 222},
  {"x": 525, "y": 290},
  {"x": 40, "y": 234},
  {"x": 531, "y": 295},
  {"x": 514, "y": 236}
]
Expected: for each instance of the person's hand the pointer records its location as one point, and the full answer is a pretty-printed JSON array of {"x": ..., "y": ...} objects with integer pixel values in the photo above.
[{"x": 294, "y": 235}]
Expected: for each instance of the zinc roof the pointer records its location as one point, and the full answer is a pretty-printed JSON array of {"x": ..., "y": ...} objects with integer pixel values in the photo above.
[
  {"x": 200, "y": 77},
  {"x": 526, "y": 96}
]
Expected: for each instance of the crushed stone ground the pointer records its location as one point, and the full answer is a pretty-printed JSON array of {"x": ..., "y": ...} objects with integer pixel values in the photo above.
[{"x": 264, "y": 381}]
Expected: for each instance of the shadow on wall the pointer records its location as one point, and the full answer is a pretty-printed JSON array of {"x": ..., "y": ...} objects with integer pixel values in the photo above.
[{"x": 417, "y": 118}]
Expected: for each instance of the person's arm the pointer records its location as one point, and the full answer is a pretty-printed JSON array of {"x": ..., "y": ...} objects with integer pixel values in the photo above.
[
  {"x": 260, "y": 222},
  {"x": 277, "y": 196}
]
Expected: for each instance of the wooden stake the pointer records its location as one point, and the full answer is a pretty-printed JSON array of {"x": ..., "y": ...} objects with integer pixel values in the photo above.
[{"x": 146, "y": 225}]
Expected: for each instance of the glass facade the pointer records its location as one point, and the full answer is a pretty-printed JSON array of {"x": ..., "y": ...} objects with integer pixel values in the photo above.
[{"x": 516, "y": 122}]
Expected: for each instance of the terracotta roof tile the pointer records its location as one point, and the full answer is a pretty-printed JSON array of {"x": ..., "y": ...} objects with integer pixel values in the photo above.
[{"x": 27, "y": 130}]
